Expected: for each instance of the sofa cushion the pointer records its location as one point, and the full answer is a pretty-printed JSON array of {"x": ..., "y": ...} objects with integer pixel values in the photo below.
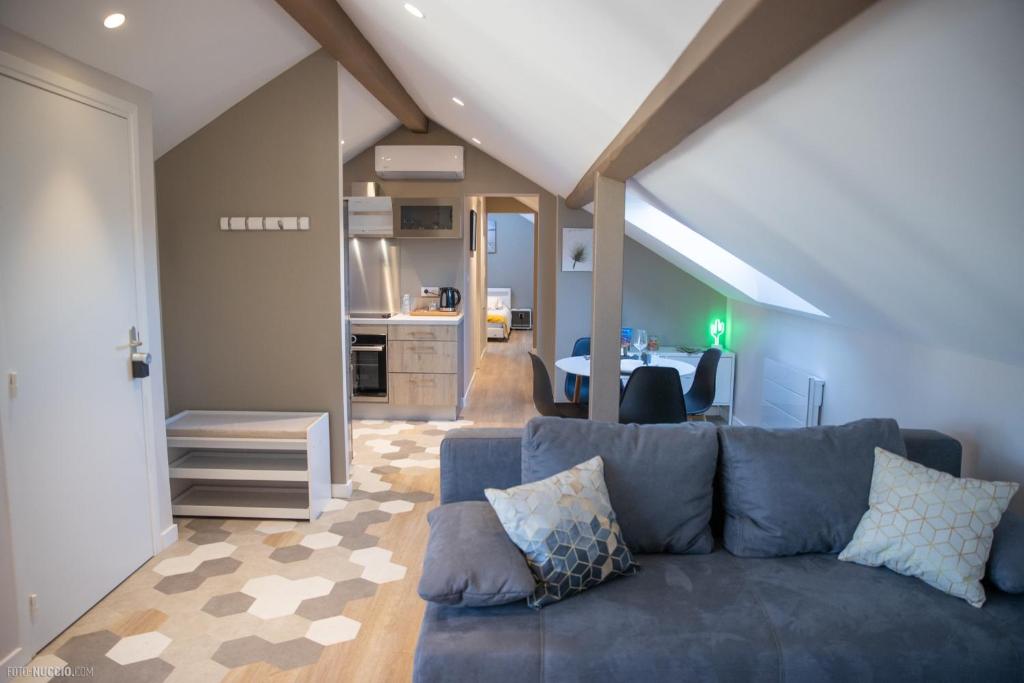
[
  {"x": 929, "y": 524},
  {"x": 718, "y": 617},
  {"x": 470, "y": 561},
  {"x": 792, "y": 491},
  {"x": 659, "y": 476},
  {"x": 567, "y": 529},
  {"x": 1006, "y": 561}
]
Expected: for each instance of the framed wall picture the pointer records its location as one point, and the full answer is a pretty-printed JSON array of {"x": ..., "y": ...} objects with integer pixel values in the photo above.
[
  {"x": 492, "y": 237},
  {"x": 577, "y": 250},
  {"x": 472, "y": 230}
]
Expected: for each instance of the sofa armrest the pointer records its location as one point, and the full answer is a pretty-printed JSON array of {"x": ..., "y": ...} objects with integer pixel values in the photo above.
[
  {"x": 933, "y": 449},
  {"x": 475, "y": 459}
]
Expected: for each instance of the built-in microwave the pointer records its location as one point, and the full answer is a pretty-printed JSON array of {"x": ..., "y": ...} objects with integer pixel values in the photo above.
[{"x": 427, "y": 217}]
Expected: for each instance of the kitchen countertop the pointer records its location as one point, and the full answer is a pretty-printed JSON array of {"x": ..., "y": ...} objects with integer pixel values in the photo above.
[{"x": 403, "y": 319}]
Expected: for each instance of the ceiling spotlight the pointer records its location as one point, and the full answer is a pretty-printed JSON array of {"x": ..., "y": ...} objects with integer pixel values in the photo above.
[
  {"x": 115, "y": 20},
  {"x": 476, "y": 140},
  {"x": 459, "y": 102},
  {"x": 413, "y": 10}
]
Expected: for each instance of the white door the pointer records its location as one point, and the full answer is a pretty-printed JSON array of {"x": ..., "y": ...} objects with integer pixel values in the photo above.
[{"x": 73, "y": 432}]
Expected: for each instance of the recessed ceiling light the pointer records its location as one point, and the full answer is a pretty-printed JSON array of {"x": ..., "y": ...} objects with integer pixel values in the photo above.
[
  {"x": 114, "y": 20},
  {"x": 413, "y": 10},
  {"x": 459, "y": 102},
  {"x": 477, "y": 141}
]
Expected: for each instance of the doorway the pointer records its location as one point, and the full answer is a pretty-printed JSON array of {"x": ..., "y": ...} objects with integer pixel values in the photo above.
[{"x": 509, "y": 243}]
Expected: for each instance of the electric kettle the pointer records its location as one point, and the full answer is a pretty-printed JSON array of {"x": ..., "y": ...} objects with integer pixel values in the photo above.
[{"x": 449, "y": 299}]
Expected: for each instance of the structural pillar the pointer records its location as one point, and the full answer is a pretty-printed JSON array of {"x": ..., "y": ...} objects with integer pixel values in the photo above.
[{"x": 606, "y": 316}]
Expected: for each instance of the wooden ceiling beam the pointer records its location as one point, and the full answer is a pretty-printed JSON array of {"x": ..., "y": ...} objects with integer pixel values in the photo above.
[
  {"x": 328, "y": 23},
  {"x": 742, "y": 45}
]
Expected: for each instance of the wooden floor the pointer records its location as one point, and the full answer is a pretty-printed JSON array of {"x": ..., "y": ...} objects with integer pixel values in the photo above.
[
  {"x": 199, "y": 646},
  {"x": 502, "y": 391},
  {"x": 501, "y": 396}
]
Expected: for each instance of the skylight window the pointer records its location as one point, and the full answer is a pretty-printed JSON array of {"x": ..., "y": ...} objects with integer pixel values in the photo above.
[{"x": 711, "y": 257}]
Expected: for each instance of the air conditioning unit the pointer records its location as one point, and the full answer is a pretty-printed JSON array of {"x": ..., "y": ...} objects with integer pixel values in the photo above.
[
  {"x": 419, "y": 162},
  {"x": 369, "y": 217}
]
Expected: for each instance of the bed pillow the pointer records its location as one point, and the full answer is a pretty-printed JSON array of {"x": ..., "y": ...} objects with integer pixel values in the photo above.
[
  {"x": 470, "y": 561},
  {"x": 926, "y": 523},
  {"x": 493, "y": 302},
  {"x": 794, "y": 491},
  {"x": 567, "y": 529},
  {"x": 659, "y": 477}
]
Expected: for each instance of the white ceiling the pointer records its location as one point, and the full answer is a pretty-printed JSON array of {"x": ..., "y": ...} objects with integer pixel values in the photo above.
[
  {"x": 869, "y": 177},
  {"x": 547, "y": 85},
  {"x": 879, "y": 175},
  {"x": 197, "y": 57}
]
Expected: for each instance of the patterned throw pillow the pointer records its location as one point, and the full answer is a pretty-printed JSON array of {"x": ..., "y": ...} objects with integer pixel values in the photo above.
[
  {"x": 567, "y": 529},
  {"x": 929, "y": 524}
]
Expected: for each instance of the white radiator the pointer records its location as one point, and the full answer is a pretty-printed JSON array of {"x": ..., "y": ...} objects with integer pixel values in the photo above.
[{"x": 790, "y": 397}]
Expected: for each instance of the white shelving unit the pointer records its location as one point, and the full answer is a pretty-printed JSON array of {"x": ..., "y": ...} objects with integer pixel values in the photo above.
[{"x": 249, "y": 464}]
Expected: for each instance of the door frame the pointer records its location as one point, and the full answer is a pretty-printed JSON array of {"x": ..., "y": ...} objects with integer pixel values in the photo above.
[{"x": 22, "y": 70}]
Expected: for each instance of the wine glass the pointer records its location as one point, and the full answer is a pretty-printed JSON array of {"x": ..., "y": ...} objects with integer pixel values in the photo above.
[{"x": 640, "y": 341}]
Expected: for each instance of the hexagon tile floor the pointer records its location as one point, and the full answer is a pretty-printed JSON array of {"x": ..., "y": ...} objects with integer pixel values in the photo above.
[{"x": 235, "y": 596}]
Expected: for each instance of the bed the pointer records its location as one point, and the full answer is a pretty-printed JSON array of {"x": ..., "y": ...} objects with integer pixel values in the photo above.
[{"x": 499, "y": 313}]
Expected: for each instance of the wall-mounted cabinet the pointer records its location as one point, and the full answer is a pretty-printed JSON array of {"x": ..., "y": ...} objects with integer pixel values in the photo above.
[{"x": 427, "y": 218}]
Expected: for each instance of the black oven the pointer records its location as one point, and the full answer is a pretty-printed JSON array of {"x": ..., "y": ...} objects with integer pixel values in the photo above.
[{"x": 369, "y": 365}]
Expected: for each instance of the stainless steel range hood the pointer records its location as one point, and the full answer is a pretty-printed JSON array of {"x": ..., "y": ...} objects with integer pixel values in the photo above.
[{"x": 372, "y": 273}]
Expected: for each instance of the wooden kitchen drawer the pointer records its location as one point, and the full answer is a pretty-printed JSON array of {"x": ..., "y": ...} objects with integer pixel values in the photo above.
[
  {"x": 422, "y": 356},
  {"x": 423, "y": 332},
  {"x": 420, "y": 389}
]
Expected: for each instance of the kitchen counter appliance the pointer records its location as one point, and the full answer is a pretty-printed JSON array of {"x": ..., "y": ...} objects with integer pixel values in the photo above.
[{"x": 449, "y": 299}]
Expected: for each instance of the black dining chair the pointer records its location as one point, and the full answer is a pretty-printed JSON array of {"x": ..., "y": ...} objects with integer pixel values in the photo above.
[
  {"x": 653, "y": 395},
  {"x": 544, "y": 397},
  {"x": 580, "y": 348},
  {"x": 702, "y": 392}
]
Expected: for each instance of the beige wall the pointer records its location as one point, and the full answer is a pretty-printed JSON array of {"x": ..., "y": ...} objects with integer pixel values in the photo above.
[
  {"x": 252, "y": 320},
  {"x": 485, "y": 175},
  {"x": 43, "y": 57},
  {"x": 476, "y": 290}
]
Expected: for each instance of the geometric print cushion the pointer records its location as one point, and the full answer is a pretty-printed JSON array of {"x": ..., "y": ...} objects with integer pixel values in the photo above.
[
  {"x": 567, "y": 530},
  {"x": 929, "y": 524}
]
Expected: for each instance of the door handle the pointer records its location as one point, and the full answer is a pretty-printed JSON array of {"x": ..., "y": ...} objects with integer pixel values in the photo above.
[
  {"x": 133, "y": 338},
  {"x": 139, "y": 359}
]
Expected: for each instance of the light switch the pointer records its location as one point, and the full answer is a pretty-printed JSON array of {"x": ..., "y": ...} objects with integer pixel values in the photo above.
[
  {"x": 225, "y": 223},
  {"x": 291, "y": 223},
  {"x": 304, "y": 223},
  {"x": 254, "y": 222},
  {"x": 272, "y": 223},
  {"x": 237, "y": 223}
]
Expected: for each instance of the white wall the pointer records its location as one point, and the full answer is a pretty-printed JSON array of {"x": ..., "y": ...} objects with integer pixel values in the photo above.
[
  {"x": 512, "y": 264},
  {"x": 874, "y": 374}
]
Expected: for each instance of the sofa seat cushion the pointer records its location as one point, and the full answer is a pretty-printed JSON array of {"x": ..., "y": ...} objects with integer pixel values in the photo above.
[
  {"x": 718, "y": 617},
  {"x": 659, "y": 477}
]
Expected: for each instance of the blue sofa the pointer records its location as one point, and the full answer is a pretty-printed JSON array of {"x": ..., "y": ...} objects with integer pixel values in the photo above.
[{"x": 716, "y": 616}]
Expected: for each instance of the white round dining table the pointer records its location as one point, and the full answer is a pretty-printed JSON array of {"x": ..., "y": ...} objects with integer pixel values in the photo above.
[{"x": 580, "y": 366}]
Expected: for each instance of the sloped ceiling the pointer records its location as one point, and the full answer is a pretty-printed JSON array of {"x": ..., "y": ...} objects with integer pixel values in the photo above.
[
  {"x": 546, "y": 85},
  {"x": 879, "y": 176},
  {"x": 197, "y": 57}
]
